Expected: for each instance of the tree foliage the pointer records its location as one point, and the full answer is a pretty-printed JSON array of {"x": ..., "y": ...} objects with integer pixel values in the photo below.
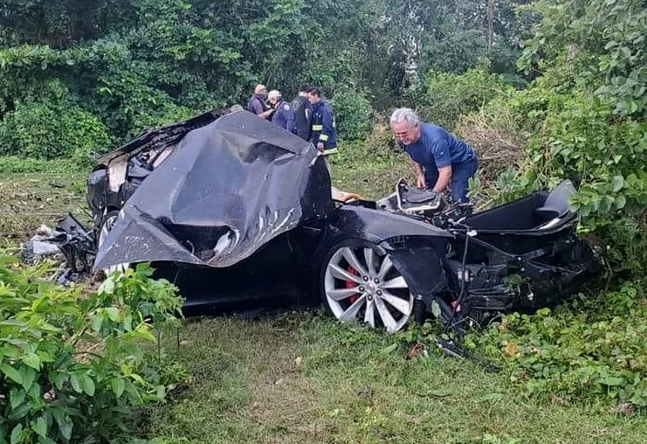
[{"x": 131, "y": 64}]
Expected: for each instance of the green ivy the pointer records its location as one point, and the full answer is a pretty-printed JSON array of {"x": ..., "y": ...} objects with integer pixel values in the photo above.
[{"x": 590, "y": 351}]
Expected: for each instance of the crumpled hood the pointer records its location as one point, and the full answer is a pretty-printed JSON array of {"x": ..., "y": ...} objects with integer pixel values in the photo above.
[{"x": 229, "y": 188}]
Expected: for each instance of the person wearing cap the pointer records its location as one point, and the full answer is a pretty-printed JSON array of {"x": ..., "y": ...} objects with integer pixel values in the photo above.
[
  {"x": 257, "y": 103},
  {"x": 283, "y": 113},
  {"x": 441, "y": 160},
  {"x": 302, "y": 113}
]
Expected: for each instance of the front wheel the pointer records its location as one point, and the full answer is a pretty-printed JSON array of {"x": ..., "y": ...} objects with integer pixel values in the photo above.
[{"x": 359, "y": 283}]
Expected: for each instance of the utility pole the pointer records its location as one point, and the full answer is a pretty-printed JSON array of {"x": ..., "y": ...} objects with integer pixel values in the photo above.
[{"x": 490, "y": 24}]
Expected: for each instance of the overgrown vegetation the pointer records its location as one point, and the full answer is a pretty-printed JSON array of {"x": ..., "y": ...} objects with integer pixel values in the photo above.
[
  {"x": 111, "y": 69},
  {"x": 588, "y": 351},
  {"x": 545, "y": 90},
  {"x": 72, "y": 363}
]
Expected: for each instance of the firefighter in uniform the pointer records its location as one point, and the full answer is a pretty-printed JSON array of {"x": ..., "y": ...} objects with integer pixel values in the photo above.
[{"x": 324, "y": 134}]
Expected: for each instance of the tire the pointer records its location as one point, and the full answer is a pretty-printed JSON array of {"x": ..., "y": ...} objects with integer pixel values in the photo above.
[
  {"x": 358, "y": 282},
  {"x": 106, "y": 224}
]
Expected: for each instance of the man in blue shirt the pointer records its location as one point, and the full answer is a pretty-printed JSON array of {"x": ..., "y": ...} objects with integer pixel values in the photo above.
[
  {"x": 440, "y": 159},
  {"x": 283, "y": 112}
]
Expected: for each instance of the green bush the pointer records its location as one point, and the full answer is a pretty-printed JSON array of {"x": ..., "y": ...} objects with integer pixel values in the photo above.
[
  {"x": 590, "y": 351},
  {"x": 51, "y": 126},
  {"x": 444, "y": 97},
  {"x": 353, "y": 114},
  {"x": 73, "y": 364}
]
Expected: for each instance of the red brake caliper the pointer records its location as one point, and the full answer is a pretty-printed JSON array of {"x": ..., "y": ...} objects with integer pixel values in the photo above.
[{"x": 351, "y": 284}]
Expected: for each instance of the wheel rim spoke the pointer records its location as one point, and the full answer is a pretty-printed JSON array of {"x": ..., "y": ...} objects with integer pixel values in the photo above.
[
  {"x": 350, "y": 257},
  {"x": 369, "y": 256},
  {"x": 385, "y": 267},
  {"x": 402, "y": 305},
  {"x": 369, "y": 316},
  {"x": 351, "y": 313},
  {"x": 342, "y": 293},
  {"x": 390, "y": 323},
  {"x": 398, "y": 282},
  {"x": 342, "y": 274}
]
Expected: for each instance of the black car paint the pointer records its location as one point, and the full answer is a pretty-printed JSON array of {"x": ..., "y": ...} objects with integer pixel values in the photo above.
[{"x": 550, "y": 262}]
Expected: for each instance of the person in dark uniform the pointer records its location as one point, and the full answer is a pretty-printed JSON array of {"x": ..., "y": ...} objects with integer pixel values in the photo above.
[
  {"x": 324, "y": 132},
  {"x": 283, "y": 113},
  {"x": 302, "y": 113},
  {"x": 257, "y": 103}
]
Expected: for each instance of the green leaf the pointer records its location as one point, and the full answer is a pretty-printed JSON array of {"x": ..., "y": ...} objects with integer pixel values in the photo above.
[
  {"x": 76, "y": 385},
  {"x": 118, "y": 386},
  {"x": 113, "y": 313},
  {"x": 161, "y": 391},
  {"x": 16, "y": 397},
  {"x": 620, "y": 202},
  {"x": 435, "y": 309},
  {"x": 95, "y": 322},
  {"x": 108, "y": 286},
  {"x": 15, "y": 434},
  {"x": 20, "y": 412},
  {"x": 65, "y": 426},
  {"x": 88, "y": 385},
  {"x": 612, "y": 381},
  {"x": 389, "y": 349},
  {"x": 28, "y": 375},
  {"x": 40, "y": 427},
  {"x": 618, "y": 183},
  {"x": 11, "y": 372},
  {"x": 32, "y": 360}
]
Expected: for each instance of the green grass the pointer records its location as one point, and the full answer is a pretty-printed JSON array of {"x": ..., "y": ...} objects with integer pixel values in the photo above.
[
  {"x": 353, "y": 386},
  {"x": 304, "y": 378}
]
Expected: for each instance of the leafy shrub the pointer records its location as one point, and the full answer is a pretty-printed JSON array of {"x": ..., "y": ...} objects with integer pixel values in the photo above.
[
  {"x": 353, "y": 114},
  {"x": 447, "y": 96},
  {"x": 590, "y": 351},
  {"x": 74, "y": 364},
  {"x": 51, "y": 126}
]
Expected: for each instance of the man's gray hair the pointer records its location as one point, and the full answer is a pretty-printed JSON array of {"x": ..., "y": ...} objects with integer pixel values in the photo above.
[{"x": 405, "y": 115}]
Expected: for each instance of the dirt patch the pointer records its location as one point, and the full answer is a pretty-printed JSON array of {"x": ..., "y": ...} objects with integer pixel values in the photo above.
[{"x": 30, "y": 200}]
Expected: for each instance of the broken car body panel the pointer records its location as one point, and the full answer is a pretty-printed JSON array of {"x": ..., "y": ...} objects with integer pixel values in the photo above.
[
  {"x": 236, "y": 200},
  {"x": 227, "y": 189}
]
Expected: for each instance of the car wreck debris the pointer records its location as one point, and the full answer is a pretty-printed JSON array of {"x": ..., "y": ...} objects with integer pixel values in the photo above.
[{"x": 235, "y": 210}]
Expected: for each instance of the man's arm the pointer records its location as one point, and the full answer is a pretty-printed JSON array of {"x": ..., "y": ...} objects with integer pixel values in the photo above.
[
  {"x": 290, "y": 117},
  {"x": 421, "y": 182},
  {"x": 444, "y": 177},
  {"x": 258, "y": 109},
  {"x": 443, "y": 162},
  {"x": 327, "y": 127}
]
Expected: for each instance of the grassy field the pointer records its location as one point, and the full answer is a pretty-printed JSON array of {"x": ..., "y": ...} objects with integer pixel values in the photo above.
[{"x": 303, "y": 378}]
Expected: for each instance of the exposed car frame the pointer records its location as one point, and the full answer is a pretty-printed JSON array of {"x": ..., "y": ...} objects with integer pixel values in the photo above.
[{"x": 381, "y": 262}]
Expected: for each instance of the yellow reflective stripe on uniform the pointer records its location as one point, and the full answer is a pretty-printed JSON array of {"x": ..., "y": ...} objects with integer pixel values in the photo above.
[
  {"x": 317, "y": 127},
  {"x": 323, "y": 138}
]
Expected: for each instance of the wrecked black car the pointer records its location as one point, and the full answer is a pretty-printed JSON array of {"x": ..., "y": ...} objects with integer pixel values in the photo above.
[{"x": 233, "y": 209}]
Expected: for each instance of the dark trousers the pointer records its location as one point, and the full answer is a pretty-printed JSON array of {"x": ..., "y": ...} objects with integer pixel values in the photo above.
[{"x": 458, "y": 184}]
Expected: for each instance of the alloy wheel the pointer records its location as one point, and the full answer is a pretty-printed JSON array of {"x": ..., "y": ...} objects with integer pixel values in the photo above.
[{"x": 361, "y": 285}]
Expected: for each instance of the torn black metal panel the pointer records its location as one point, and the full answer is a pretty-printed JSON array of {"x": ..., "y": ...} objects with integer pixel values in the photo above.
[
  {"x": 229, "y": 188},
  {"x": 376, "y": 226},
  {"x": 422, "y": 268}
]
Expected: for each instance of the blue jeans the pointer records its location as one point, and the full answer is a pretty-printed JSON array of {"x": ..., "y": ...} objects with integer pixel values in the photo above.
[{"x": 458, "y": 184}]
